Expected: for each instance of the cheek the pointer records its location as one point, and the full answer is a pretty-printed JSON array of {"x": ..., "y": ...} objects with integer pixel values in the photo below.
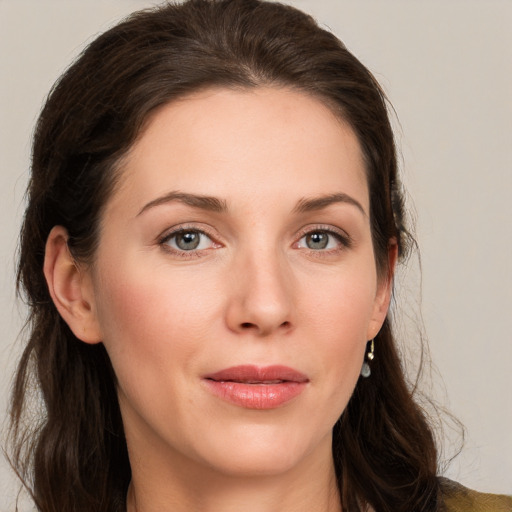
[
  {"x": 337, "y": 317},
  {"x": 151, "y": 321},
  {"x": 341, "y": 305}
]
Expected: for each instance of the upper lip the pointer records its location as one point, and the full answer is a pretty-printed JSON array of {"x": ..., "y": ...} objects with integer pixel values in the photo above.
[{"x": 252, "y": 374}]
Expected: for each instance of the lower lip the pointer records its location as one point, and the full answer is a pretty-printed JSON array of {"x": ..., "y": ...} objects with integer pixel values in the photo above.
[{"x": 256, "y": 396}]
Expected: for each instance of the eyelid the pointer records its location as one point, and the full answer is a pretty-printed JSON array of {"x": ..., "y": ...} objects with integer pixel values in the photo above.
[
  {"x": 344, "y": 238},
  {"x": 180, "y": 228},
  {"x": 341, "y": 235}
]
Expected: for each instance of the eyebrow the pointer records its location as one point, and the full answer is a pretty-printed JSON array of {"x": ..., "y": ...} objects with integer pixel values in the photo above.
[
  {"x": 214, "y": 204},
  {"x": 319, "y": 203},
  {"x": 208, "y": 203}
]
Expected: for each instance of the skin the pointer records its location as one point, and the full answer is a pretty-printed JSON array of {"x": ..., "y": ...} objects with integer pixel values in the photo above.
[{"x": 255, "y": 291}]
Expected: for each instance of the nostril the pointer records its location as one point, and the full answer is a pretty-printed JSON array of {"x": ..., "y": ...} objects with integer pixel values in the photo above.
[
  {"x": 249, "y": 325},
  {"x": 264, "y": 328}
]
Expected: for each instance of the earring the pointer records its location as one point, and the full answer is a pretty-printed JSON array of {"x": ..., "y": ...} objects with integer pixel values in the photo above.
[{"x": 366, "y": 370}]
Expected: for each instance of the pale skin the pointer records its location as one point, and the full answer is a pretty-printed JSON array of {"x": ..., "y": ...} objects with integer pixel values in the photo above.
[{"x": 284, "y": 273}]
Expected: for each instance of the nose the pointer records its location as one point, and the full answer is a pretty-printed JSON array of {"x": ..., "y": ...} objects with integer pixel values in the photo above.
[{"x": 261, "y": 298}]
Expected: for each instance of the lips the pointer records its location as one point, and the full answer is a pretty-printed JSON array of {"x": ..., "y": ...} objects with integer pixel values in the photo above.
[{"x": 254, "y": 387}]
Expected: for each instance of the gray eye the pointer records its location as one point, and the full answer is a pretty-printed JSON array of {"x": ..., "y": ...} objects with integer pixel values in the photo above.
[
  {"x": 188, "y": 240},
  {"x": 317, "y": 240}
]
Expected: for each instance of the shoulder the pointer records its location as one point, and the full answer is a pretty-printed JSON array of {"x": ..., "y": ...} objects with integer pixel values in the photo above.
[{"x": 457, "y": 498}]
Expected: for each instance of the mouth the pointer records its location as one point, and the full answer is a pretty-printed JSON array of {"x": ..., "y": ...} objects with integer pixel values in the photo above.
[{"x": 254, "y": 387}]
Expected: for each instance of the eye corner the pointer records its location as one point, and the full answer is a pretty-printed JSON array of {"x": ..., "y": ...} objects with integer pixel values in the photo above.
[
  {"x": 186, "y": 241},
  {"x": 323, "y": 239}
]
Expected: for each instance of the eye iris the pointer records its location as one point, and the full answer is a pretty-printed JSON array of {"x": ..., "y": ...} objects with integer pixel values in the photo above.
[
  {"x": 188, "y": 240},
  {"x": 317, "y": 240}
]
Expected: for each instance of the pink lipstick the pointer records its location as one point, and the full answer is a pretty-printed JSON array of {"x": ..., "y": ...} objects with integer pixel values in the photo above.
[{"x": 256, "y": 387}]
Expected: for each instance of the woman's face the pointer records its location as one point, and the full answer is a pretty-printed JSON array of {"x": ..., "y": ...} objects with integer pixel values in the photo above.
[{"x": 235, "y": 285}]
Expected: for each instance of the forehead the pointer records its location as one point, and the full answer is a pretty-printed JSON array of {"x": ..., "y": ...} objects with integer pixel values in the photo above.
[{"x": 239, "y": 143}]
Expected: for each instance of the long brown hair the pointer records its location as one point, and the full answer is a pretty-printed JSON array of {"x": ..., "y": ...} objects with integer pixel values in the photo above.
[{"x": 74, "y": 457}]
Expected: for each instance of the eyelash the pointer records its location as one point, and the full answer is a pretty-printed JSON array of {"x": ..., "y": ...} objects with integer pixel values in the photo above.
[
  {"x": 163, "y": 241},
  {"x": 343, "y": 238}
]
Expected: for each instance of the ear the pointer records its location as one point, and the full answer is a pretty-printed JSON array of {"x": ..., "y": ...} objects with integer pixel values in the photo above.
[
  {"x": 70, "y": 288},
  {"x": 384, "y": 292}
]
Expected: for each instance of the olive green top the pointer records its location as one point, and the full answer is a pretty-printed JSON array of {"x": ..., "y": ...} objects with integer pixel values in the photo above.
[{"x": 457, "y": 498}]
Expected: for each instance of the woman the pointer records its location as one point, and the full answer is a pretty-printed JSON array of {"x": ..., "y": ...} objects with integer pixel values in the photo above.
[{"x": 213, "y": 225}]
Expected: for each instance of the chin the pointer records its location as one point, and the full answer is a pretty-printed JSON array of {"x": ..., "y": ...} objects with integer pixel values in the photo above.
[
  {"x": 255, "y": 465},
  {"x": 261, "y": 452}
]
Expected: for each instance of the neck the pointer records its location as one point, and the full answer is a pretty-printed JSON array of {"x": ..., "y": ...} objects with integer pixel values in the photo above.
[{"x": 311, "y": 487}]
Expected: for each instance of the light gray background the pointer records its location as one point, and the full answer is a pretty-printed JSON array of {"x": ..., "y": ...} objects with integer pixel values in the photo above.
[{"x": 446, "y": 66}]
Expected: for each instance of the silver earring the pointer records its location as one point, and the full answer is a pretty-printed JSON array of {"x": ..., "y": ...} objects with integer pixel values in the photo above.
[{"x": 366, "y": 370}]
